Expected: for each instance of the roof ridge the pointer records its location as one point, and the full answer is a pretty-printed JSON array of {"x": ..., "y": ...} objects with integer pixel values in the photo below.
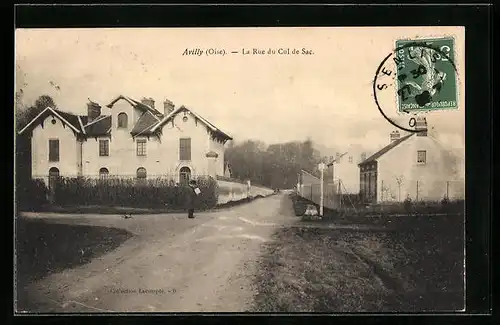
[
  {"x": 146, "y": 105},
  {"x": 57, "y": 113},
  {"x": 198, "y": 116},
  {"x": 97, "y": 120},
  {"x": 386, "y": 148},
  {"x": 65, "y": 112},
  {"x": 81, "y": 123}
]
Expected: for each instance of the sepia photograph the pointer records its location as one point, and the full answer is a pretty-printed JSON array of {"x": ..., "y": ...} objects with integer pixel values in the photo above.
[{"x": 257, "y": 169}]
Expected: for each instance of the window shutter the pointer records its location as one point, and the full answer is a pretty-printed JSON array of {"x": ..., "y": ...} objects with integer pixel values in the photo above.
[
  {"x": 185, "y": 149},
  {"x": 54, "y": 150}
]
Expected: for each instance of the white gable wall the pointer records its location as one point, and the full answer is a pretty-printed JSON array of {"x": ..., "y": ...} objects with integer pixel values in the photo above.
[
  {"x": 348, "y": 173},
  {"x": 68, "y": 149},
  {"x": 219, "y": 148},
  {"x": 200, "y": 145},
  {"x": 401, "y": 162}
]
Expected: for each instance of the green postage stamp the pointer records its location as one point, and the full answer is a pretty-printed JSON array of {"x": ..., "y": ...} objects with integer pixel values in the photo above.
[{"x": 426, "y": 75}]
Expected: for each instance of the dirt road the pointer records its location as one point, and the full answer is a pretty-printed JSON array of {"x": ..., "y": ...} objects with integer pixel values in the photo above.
[
  {"x": 172, "y": 264},
  {"x": 252, "y": 257}
]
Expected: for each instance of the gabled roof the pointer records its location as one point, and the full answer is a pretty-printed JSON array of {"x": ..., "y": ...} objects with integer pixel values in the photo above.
[
  {"x": 144, "y": 124},
  {"x": 69, "y": 119},
  {"x": 79, "y": 123},
  {"x": 157, "y": 114},
  {"x": 100, "y": 126},
  {"x": 212, "y": 127},
  {"x": 385, "y": 149}
]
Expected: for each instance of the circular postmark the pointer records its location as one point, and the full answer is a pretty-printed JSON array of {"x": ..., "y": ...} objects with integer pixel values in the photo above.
[{"x": 421, "y": 75}]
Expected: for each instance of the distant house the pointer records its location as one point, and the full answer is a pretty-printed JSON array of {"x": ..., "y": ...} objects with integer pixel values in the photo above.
[
  {"x": 135, "y": 140},
  {"x": 415, "y": 165},
  {"x": 346, "y": 169}
]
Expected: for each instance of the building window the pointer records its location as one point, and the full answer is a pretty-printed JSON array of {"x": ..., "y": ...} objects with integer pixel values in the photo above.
[
  {"x": 373, "y": 190},
  {"x": 350, "y": 159},
  {"x": 53, "y": 150},
  {"x": 141, "y": 147},
  {"x": 185, "y": 149},
  {"x": 122, "y": 120},
  {"x": 141, "y": 173},
  {"x": 421, "y": 156},
  {"x": 103, "y": 173},
  {"x": 369, "y": 192},
  {"x": 103, "y": 148}
]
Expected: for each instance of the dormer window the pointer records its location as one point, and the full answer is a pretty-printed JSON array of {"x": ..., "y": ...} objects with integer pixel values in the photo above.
[{"x": 122, "y": 120}]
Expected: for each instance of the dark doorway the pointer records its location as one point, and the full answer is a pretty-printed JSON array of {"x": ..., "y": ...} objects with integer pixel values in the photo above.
[{"x": 184, "y": 175}]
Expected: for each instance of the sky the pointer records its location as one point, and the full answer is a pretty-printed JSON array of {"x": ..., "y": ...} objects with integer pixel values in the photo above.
[{"x": 327, "y": 95}]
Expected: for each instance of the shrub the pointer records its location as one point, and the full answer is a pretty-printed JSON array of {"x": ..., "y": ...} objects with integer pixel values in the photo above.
[
  {"x": 407, "y": 204},
  {"x": 31, "y": 194},
  {"x": 209, "y": 192}
]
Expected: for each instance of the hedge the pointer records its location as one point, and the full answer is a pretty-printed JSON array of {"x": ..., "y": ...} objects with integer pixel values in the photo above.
[
  {"x": 150, "y": 193},
  {"x": 31, "y": 194}
]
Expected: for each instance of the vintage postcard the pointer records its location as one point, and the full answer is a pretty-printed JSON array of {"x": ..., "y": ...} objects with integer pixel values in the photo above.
[{"x": 240, "y": 170}]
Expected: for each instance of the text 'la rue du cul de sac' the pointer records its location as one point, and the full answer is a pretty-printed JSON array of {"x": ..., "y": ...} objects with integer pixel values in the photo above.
[{"x": 247, "y": 51}]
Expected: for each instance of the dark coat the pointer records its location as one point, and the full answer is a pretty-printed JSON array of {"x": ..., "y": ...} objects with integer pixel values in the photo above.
[{"x": 191, "y": 198}]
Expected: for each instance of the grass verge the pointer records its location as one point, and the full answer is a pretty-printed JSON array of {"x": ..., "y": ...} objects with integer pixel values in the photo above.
[
  {"x": 408, "y": 269},
  {"x": 43, "y": 248}
]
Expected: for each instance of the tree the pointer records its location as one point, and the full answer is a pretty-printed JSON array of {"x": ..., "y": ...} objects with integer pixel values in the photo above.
[
  {"x": 25, "y": 115},
  {"x": 276, "y": 166},
  {"x": 399, "y": 181},
  {"x": 20, "y": 86},
  {"x": 246, "y": 160}
]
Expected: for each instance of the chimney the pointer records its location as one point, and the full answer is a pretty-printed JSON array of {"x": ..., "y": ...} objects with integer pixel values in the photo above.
[
  {"x": 395, "y": 135},
  {"x": 168, "y": 107},
  {"x": 421, "y": 126},
  {"x": 93, "y": 111},
  {"x": 148, "y": 101}
]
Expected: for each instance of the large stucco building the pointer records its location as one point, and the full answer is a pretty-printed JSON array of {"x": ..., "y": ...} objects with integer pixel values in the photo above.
[{"x": 134, "y": 140}]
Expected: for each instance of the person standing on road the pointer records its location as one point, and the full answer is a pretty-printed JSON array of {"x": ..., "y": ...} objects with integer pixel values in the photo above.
[{"x": 192, "y": 197}]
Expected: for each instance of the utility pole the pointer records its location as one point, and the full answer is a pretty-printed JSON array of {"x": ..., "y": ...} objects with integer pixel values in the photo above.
[
  {"x": 321, "y": 167},
  {"x": 340, "y": 196},
  {"x": 332, "y": 164}
]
